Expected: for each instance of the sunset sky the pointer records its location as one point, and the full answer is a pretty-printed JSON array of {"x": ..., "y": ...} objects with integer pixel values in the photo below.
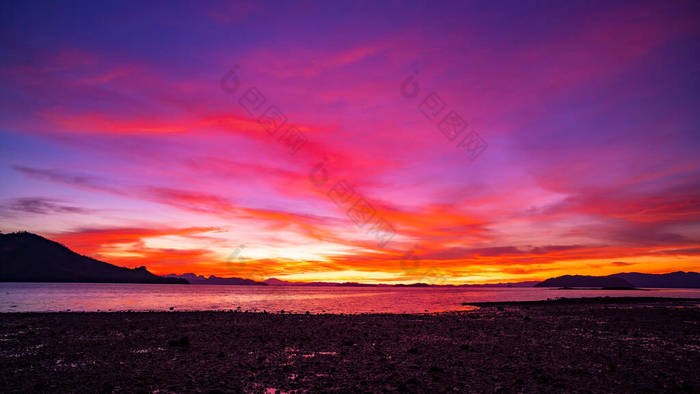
[{"x": 149, "y": 135}]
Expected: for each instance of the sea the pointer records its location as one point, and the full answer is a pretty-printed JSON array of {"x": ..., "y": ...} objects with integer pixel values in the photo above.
[{"x": 105, "y": 297}]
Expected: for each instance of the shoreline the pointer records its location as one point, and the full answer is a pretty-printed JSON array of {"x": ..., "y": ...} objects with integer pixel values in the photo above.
[
  {"x": 601, "y": 300},
  {"x": 512, "y": 347},
  {"x": 587, "y": 301}
]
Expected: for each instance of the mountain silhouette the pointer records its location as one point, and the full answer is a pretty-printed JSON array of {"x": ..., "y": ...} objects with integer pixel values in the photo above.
[
  {"x": 584, "y": 281},
  {"x": 215, "y": 280},
  {"x": 27, "y": 257},
  {"x": 677, "y": 279}
]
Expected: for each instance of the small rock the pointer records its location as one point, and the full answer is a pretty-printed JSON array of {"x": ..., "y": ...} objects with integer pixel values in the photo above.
[
  {"x": 184, "y": 341},
  {"x": 434, "y": 369}
]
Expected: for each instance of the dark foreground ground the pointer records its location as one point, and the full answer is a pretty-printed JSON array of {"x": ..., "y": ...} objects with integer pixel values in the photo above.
[{"x": 603, "y": 346}]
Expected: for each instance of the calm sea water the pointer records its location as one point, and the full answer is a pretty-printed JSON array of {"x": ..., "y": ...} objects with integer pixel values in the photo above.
[{"x": 43, "y": 297}]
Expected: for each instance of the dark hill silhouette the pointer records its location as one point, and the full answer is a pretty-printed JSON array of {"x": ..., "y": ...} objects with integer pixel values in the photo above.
[
  {"x": 585, "y": 281},
  {"x": 27, "y": 257},
  {"x": 215, "y": 280},
  {"x": 677, "y": 279}
]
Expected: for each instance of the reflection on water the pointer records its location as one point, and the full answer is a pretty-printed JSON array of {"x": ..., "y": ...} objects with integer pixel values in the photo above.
[{"x": 34, "y": 297}]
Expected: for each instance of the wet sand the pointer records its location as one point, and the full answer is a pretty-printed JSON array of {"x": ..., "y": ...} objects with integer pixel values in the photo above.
[{"x": 603, "y": 345}]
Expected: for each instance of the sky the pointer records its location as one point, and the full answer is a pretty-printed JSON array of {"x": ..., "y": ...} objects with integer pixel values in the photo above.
[{"x": 394, "y": 142}]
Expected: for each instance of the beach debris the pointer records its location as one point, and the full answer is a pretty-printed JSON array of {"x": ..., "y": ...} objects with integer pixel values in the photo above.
[{"x": 182, "y": 342}]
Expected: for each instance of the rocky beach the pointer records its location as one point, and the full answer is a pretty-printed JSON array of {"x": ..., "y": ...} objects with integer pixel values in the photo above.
[{"x": 598, "y": 345}]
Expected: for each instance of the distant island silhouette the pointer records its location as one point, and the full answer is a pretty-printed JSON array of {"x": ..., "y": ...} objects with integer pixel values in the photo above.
[
  {"x": 585, "y": 281},
  {"x": 214, "y": 280},
  {"x": 626, "y": 281},
  {"x": 28, "y": 257}
]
